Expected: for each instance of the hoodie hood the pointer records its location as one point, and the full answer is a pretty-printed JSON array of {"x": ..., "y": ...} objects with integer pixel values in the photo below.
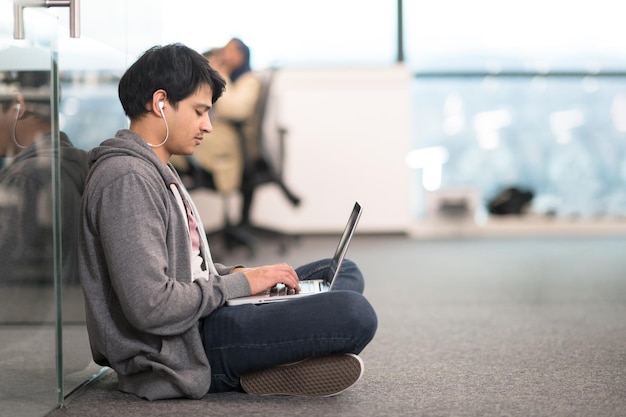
[{"x": 128, "y": 143}]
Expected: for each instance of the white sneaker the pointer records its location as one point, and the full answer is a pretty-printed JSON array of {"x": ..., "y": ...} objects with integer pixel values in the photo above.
[{"x": 322, "y": 376}]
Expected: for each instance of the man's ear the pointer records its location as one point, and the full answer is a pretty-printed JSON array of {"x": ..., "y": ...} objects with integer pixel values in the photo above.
[{"x": 158, "y": 97}]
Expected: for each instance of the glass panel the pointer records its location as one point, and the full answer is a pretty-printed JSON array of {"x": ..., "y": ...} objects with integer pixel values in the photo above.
[{"x": 29, "y": 354}]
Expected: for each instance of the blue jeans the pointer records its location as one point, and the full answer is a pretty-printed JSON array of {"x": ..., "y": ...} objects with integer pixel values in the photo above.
[{"x": 245, "y": 338}]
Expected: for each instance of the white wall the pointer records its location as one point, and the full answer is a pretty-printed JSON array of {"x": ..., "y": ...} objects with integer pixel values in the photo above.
[{"x": 348, "y": 135}]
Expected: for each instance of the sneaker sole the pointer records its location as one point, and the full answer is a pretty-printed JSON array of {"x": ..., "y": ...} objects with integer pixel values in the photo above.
[{"x": 323, "y": 376}]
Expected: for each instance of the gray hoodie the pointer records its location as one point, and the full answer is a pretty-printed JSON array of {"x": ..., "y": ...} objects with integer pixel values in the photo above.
[{"x": 143, "y": 309}]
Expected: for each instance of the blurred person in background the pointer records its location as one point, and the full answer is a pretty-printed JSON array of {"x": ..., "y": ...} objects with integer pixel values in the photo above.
[{"x": 220, "y": 153}]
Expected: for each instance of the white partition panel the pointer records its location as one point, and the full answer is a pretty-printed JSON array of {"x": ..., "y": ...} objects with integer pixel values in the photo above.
[{"x": 348, "y": 135}]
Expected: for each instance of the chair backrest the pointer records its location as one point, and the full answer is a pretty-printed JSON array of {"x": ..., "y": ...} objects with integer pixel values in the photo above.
[
  {"x": 261, "y": 151},
  {"x": 255, "y": 130},
  {"x": 264, "y": 157},
  {"x": 266, "y": 79}
]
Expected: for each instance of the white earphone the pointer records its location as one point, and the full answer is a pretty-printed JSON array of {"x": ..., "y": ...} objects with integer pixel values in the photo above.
[
  {"x": 161, "y": 106},
  {"x": 18, "y": 107},
  {"x": 167, "y": 129}
]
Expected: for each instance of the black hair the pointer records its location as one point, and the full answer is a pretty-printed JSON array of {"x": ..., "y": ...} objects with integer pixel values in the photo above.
[
  {"x": 245, "y": 66},
  {"x": 175, "y": 68}
]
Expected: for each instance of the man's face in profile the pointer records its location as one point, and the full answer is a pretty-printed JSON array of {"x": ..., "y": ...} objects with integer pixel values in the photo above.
[{"x": 24, "y": 108}]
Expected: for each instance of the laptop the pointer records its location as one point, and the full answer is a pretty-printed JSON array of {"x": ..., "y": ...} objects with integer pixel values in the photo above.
[{"x": 280, "y": 292}]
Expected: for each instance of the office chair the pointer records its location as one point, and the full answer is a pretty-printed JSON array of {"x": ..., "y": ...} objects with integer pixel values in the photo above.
[{"x": 261, "y": 167}]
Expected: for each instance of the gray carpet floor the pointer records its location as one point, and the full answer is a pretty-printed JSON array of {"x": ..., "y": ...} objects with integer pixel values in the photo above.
[{"x": 475, "y": 327}]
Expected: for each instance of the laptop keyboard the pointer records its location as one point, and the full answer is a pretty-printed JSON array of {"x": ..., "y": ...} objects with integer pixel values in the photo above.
[{"x": 305, "y": 288}]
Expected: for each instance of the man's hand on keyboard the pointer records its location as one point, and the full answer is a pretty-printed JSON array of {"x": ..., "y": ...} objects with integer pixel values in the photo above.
[
  {"x": 264, "y": 277},
  {"x": 282, "y": 289}
]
